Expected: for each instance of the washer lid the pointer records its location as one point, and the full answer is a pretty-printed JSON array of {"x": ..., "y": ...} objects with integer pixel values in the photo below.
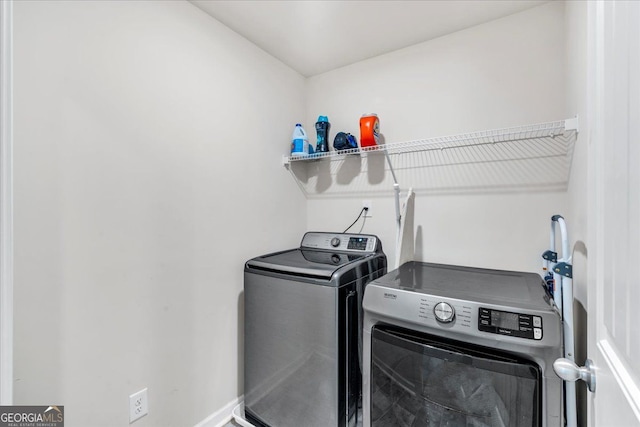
[{"x": 305, "y": 262}]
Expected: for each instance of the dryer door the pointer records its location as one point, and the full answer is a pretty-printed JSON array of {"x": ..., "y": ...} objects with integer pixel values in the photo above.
[{"x": 422, "y": 380}]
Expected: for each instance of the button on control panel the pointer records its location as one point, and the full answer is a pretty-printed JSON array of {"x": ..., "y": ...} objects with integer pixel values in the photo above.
[
  {"x": 537, "y": 322},
  {"x": 508, "y": 323},
  {"x": 444, "y": 312}
]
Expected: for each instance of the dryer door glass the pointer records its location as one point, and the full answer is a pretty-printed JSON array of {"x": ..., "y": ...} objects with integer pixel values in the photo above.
[{"x": 424, "y": 380}]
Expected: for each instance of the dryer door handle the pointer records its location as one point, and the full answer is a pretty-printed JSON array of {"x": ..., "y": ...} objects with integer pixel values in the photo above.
[{"x": 569, "y": 371}]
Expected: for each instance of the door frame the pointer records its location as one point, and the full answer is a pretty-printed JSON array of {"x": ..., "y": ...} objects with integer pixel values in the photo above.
[{"x": 6, "y": 202}]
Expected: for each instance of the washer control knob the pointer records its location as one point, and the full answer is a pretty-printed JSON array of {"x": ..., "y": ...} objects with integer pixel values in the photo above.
[
  {"x": 335, "y": 242},
  {"x": 444, "y": 312}
]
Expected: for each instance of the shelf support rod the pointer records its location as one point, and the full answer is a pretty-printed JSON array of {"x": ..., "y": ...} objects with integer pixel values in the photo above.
[{"x": 396, "y": 194}]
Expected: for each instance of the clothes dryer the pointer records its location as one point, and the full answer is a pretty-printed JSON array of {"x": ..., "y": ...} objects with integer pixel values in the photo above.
[{"x": 460, "y": 346}]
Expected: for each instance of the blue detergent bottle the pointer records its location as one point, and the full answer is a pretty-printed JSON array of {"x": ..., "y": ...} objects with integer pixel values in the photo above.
[{"x": 322, "y": 130}]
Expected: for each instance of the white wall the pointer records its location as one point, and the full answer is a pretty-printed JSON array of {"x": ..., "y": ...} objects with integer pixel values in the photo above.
[
  {"x": 508, "y": 72},
  {"x": 576, "y": 89},
  {"x": 147, "y": 150},
  {"x": 148, "y": 141}
]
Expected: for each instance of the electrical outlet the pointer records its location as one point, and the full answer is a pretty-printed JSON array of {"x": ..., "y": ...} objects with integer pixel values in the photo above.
[
  {"x": 138, "y": 405},
  {"x": 367, "y": 204}
]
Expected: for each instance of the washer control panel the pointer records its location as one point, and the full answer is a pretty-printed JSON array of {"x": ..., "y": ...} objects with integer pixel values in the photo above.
[
  {"x": 343, "y": 242},
  {"x": 508, "y": 323}
]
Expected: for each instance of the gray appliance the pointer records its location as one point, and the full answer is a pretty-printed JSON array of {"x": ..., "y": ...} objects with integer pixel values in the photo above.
[
  {"x": 302, "y": 317},
  {"x": 459, "y": 346}
]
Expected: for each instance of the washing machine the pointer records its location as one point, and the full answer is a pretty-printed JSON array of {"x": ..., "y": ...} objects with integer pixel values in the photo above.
[
  {"x": 457, "y": 346},
  {"x": 302, "y": 330}
]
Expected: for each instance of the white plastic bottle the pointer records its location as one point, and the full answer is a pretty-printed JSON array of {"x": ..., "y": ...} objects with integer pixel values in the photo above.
[{"x": 299, "y": 142}]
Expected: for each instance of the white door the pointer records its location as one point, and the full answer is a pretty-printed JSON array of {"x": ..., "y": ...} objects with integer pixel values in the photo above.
[{"x": 614, "y": 212}]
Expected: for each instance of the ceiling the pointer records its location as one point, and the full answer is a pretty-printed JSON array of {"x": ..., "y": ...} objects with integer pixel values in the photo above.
[{"x": 313, "y": 37}]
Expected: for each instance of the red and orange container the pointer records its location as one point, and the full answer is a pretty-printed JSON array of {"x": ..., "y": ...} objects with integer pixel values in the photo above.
[{"x": 369, "y": 130}]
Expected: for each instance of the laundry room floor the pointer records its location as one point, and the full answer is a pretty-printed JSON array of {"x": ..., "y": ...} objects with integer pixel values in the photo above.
[{"x": 232, "y": 423}]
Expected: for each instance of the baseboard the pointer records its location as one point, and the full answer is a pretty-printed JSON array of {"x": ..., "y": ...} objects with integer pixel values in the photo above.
[{"x": 222, "y": 416}]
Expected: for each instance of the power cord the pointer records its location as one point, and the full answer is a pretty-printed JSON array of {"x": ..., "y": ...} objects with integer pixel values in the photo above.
[
  {"x": 365, "y": 209},
  {"x": 364, "y": 221}
]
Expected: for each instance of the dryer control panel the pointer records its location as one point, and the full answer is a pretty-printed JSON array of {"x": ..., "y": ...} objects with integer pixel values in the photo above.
[{"x": 508, "y": 323}]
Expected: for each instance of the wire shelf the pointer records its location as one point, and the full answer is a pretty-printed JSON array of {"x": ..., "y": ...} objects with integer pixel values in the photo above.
[
  {"x": 534, "y": 157},
  {"x": 473, "y": 139}
]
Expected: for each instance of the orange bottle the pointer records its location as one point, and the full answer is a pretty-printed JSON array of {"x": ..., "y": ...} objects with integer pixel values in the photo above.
[{"x": 369, "y": 130}]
